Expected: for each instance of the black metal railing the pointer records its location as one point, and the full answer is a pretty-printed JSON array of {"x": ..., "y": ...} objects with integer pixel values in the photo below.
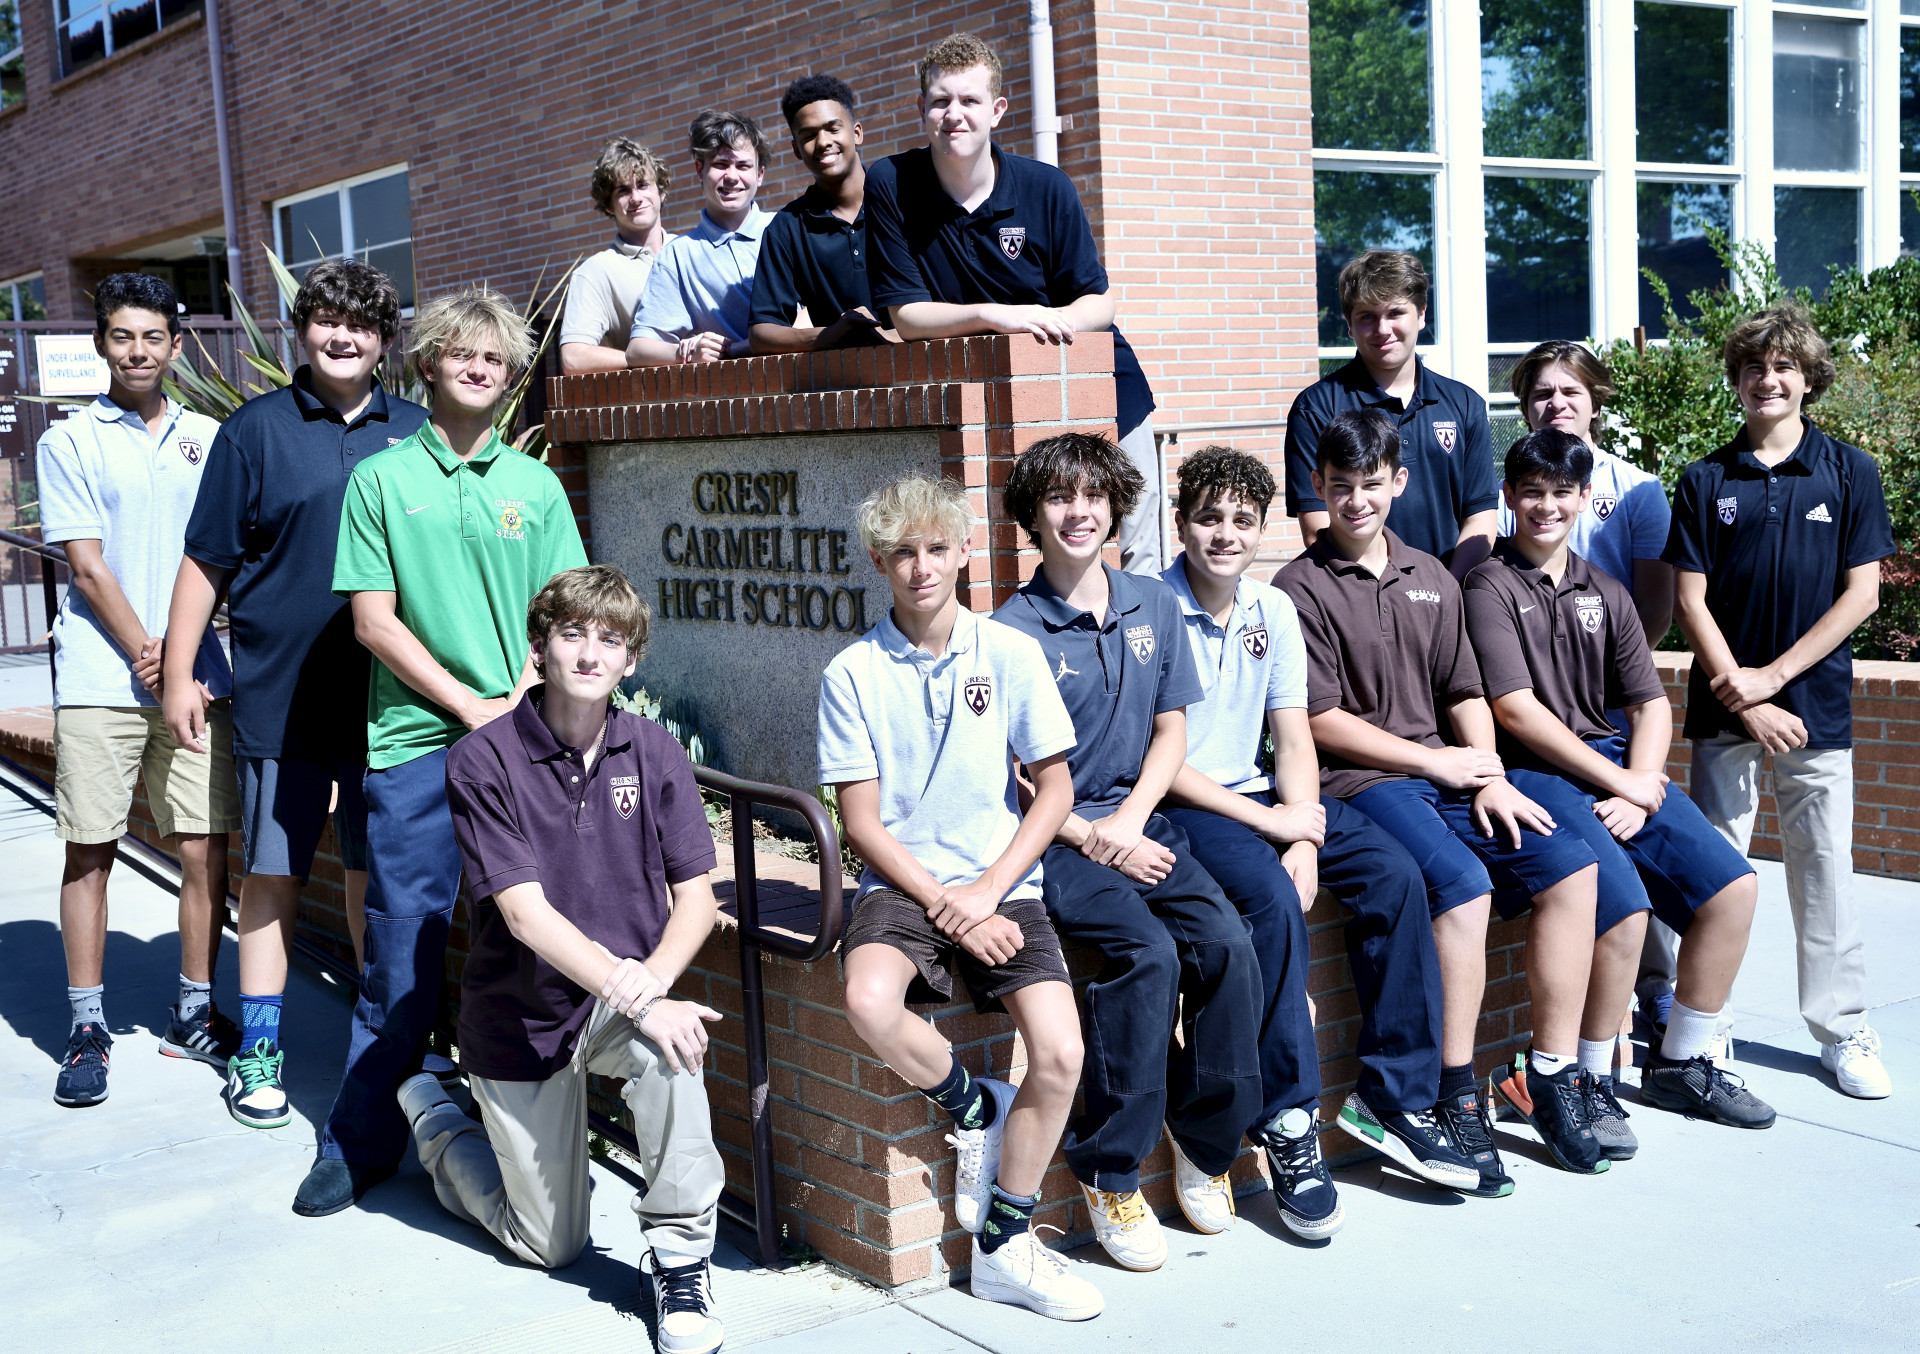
[{"x": 23, "y": 556}]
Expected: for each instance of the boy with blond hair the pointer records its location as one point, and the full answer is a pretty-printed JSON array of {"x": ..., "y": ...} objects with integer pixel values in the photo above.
[
  {"x": 443, "y": 541},
  {"x": 628, "y": 183},
  {"x": 1778, "y": 538},
  {"x": 920, "y": 721},
  {"x": 587, "y": 853}
]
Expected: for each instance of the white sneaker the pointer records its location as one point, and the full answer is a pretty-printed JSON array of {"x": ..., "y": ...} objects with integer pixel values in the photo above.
[
  {"x": 1024, "y": 1273},
  {"x": 977, "y": 1158},
  {"x": 683, "y": 1306},
  {"x": 419, "y": 1093},
  {"x": 1126, "y": 1229},
  {"x": 1855, "y": 1064},
  {"x": 1207, "y": 1200}
]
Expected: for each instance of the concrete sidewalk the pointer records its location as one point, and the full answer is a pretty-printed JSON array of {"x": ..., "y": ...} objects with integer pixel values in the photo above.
[{"x": 154, "y": 1221}]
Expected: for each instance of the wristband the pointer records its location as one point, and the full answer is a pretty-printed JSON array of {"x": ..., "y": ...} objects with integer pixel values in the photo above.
[{"x": 641, "y": 1014}]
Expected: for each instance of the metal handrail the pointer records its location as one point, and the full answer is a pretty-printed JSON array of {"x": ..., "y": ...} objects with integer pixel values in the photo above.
[
  {"x": 1168, "y": 436},
  {"x": 49, "y": 590}
]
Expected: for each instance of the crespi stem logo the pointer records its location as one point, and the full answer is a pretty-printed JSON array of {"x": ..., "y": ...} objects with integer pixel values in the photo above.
[
  {"x": 1140, "y": 640},
  {"x": 1591, "y": 610},
  {"x": 191, "y": 450},
  {"x": 1012, "y": 240},
  {"x": 626, "y": 795},
  {"x": 1603, "y": 507},
  {"x": 513, "y": 523},
  {"x": 979, "y": 694},
  {"x": 1729, "y": 509}
]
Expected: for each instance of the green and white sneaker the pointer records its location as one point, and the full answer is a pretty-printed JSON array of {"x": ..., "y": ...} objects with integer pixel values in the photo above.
[
  {"x": 1414, "y": 1140},
  {"x": 254, "y": 1096}
]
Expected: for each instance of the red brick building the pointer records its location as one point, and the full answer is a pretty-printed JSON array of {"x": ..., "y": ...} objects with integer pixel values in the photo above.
[{"x": 460, "y": 139}]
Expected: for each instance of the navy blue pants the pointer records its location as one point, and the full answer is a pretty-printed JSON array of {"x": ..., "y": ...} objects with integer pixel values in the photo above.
[
  {"x": 1158, "y": 942},
  {"x": 1396, "y": 972},
  {"x": 413, "y": 878}
]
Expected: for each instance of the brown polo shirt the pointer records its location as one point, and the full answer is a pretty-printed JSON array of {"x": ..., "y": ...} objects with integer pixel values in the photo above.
[
  {"x": 1392, "y": 650},
  {"x": 1578, "y": 644}
]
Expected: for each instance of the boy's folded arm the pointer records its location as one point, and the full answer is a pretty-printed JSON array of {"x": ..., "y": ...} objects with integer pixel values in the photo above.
[
  {"x": 1352, "y": 739},
  {"x": 1521, "y": 714},
  {"x": 536, "y": 924},
  {"x": 689, "y": 924}
]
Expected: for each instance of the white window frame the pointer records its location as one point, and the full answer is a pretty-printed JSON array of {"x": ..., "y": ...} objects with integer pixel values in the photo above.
[
  {"x": 340, "y": 188},
  {"x": 11, "y": 286}
]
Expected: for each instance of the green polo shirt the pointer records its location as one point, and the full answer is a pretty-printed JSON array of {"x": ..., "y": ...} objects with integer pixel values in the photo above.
[{"x": 465, "y": 545}]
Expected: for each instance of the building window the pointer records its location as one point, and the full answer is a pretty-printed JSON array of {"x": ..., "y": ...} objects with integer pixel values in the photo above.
[
  {"x": 1539, "y": 260},
  {"x": 366, "y": 217},
  {"x": 1355, "y": 211},
  {"x": 90, "y": 30},
  {"x": 1816, "y": 93},
  {"x": 1683, "y": 84},
  {"x": 13, "y": 60},
  {"x": 1533, "y": 78},
  {"x": 1674, "y": 219},
  {"x": 1910, "y": 131},
  {"x": 23, "y": 298}
]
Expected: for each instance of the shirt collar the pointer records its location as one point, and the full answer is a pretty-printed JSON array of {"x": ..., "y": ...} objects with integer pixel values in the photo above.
[
  {"x": 1176, "y": 578},
  {"x": 107, "y": 411},
  {"x": 1123, "y": 595},
  {"x": 312, "y": 406},
  {"x": 437, "y": 448},
  {"x": 632, "y": 251},
  {"x": 1800, "y": 462},
  {"x": 750, "y": 229},
  {"x": 814, "y": 203},
  {"x": 1575, "y": 575},
  {"x": 966, "y": 630},
  {"x": 1398, "y": 558},
  {"x": 538, "y": 740},
  {"x": 1357, "y": 378}
]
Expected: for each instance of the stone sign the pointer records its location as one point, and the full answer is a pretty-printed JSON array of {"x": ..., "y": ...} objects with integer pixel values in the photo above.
[{"x": 747, "y": 552}]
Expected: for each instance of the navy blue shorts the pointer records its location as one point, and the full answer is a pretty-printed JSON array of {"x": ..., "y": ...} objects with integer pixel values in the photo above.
[
  {"x": 283, "y": 807},
  {"x": 1458, "y": 864},
  {"x": 1674, "y": 864}
]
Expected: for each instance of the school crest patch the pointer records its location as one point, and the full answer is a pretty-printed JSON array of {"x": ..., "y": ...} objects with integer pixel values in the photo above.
[
  {"x": 1012, "y": 240},
  {"x": 1591, "y": 610},
  {"x": 1256, "y": 641},
  {"x": 1446, "y": 433},
  {"x": 192, "y": 451},
  {"x": 979, "y": 694},
  {"x": 1729, "y": 509},
  {"x": 626, "y": 795},
  {"x": 1140, "y": 640},
  {"x": 1603, "y": 507}
]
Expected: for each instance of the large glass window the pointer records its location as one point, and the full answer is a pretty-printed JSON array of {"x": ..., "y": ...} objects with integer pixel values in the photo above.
[
  {"x": 367, "y": 217},
  {"x": 1371, "y": 82},
  {"x": 1539, "y": 273},
  {"x": 1815, "y": 228},
  {"x": 1910, "y": 98},
  {"x": 1682, "y": 69},
  {"x": 1674, "y": 219},
  {"x": 1533, "y": 78},
  {"x": 24, "y": 298},
  {"x": 1817, "y": 93},
  {"x": 1909, "y": 218},
  {"x": 89, "y": 30},
  {"x": 1354, "y": 212},
  {"x": 13, "y": 60}
]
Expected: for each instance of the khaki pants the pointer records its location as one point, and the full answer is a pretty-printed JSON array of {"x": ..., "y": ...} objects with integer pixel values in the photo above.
[
  {"x": 1814, "y": 789},
  {"x": 524, "y": 1178},
  {"x": 1142, "y": 549},
  {"x": 99, "y": 751}
]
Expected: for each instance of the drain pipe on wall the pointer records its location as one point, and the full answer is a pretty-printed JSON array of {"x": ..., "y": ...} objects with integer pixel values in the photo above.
[
  {"x": 1046, "y": 125},
  {"x": 229, "y": 205}
]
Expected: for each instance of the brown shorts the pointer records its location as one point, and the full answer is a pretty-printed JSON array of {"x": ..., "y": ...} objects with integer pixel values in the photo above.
[{"x": 885, "y": 917}]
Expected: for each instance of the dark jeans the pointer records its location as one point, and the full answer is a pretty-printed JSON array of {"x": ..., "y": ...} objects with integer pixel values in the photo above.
[
  {"x": 1157, "y": 942},
  {"x": 1396, "y": 972},
  {"x": 413, "y": 878}
]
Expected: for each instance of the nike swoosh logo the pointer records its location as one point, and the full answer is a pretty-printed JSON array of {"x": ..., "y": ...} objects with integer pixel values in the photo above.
[
  {"x": 422, "y": 508},
  {"x": 1523, "y": 610}
]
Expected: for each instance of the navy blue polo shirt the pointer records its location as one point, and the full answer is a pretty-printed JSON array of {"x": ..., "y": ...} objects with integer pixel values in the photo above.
[
  {"x": 269, "y": 509},
  {"x": 1445, "y": 444},
  {"x": 1028, "y": 244},
  {"x": 606, "y": 843},
  {"x": 810, "y": 257},
  {"x": 1115, "y": 675},
  {"x": 1775, "y": 544}
]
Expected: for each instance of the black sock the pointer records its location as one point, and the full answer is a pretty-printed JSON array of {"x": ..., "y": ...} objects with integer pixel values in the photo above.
[
  {"x": 960, "y": 1096},
  {"x": 1456, "y": 1081},
  {"x": 1009, "y": 1216}
]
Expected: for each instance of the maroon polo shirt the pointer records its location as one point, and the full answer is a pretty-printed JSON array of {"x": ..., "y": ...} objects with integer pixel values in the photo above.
[
  {"x": 1392, "y": 650},
  {"x": 604, "y": 843},
  {"x": 1578, "y": 643}
]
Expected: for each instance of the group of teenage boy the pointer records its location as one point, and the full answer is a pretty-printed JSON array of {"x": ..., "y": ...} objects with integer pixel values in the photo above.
[{"x": 1434, "y": 722}]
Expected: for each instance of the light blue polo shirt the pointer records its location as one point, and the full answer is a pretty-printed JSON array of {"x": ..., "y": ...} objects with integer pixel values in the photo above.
[
  {"x": 1626, "y": 520},
  {"x": 1257, "y": 662},
  {"x": 938, "y": 732},
  {"x": 702, "y": 283},
  {"x": 103, "y": 477}
]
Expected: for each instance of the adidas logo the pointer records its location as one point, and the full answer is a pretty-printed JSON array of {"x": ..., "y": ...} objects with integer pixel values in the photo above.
[{"x": 1820, "y": 514}]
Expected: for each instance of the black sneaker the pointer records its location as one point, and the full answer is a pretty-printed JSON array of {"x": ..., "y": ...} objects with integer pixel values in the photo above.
[
  {"x": 1697, "y": 1087},
  {"x": 83, "y": 1067},
  {"x": 1557, "y": 1109},
  {"x": 210, "y": 1037},
  {"x": 684, "y": 1322},
  {"x": 333, "y": 1185},
  {"x": 1415, "y": 1140},
  {"x": 1606, "y": 1117},
  {"x": 1302, "y": 1186},
  {"x": 1464, "y": 1119}
]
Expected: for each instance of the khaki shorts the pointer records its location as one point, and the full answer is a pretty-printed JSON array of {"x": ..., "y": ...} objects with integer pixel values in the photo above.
[{"x": 98, "y": 750}]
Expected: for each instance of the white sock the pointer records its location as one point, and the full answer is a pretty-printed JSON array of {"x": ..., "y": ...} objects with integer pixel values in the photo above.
[
  {"x": 1549, "y": 1064},
  {"x": 1688, "y": 1032},
  {"x": 1596, "y": 1056}
]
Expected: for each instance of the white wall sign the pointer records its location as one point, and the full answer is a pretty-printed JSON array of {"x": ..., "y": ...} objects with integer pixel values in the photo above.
[{"x": 68, "y": 365}]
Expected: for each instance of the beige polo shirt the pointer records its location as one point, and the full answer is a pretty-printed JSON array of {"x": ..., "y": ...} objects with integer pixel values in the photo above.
[{"x": 603, "y": 294}]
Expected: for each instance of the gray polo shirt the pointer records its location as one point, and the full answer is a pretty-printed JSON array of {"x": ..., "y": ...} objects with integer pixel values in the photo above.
[
  {"x": 937, "y": 733},
  {"x": 1255, "y": 663},
  {"x": 605, "y": 291},
  {"x": 702, "y": 283},
  {"x": 103, "y": 477}
]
